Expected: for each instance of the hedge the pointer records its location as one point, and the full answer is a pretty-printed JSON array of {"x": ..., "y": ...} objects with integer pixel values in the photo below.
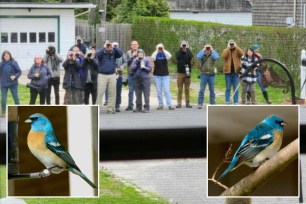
[{"x": 280, "y": 43}]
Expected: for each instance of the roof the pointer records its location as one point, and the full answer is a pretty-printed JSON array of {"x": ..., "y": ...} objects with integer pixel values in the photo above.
[{"x": 46, "y": 5}]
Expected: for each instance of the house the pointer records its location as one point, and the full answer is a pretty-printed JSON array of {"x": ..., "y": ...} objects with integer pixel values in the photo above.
[
  {"x": 27, "y": 29},
  {"x": 291, "y": 13}
]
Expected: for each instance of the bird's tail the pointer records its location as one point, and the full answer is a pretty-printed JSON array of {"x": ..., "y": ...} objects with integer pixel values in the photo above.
[
  {"x": 229, "y": 168},
  {"x": 77, "y": 172}
]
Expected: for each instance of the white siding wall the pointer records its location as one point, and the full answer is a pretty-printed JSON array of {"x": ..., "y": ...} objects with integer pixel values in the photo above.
[{"x": 66, "y": 32}]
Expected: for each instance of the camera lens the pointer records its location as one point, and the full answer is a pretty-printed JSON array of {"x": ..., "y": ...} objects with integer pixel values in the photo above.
[{"x": 89, "y": 55}]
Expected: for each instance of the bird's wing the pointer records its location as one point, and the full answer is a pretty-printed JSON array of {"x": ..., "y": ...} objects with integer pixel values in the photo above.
[
  {"x": 258, "y": 139},
  {"x": 54, "y": 145}
]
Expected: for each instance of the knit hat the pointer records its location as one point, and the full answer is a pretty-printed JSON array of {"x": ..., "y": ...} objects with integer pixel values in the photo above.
[
  {"x": 140, "y": 51},
  {"x": 255, "y": 47},
  {"x": 184, "y": 42}
]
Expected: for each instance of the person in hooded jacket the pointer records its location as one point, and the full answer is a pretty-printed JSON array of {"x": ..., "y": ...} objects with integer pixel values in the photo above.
[
  {"x": 40, "y": 76},
  {"x": 90, "y": 75}
]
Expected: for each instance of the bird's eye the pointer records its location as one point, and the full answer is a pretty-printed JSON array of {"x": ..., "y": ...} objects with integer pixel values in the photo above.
[
  {"x": 279, "y": 122},
  {"x": 34, "y": 118}
]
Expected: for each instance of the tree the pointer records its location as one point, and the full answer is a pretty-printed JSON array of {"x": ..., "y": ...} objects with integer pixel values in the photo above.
[{"x": 128, "y": 9}]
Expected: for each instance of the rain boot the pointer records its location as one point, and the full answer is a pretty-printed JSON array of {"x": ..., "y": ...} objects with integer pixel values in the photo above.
[{"x": 265, "y": 95}]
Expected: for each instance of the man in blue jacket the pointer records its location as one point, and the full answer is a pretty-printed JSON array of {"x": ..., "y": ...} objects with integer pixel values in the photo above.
[{"x": 107, "y": 74}]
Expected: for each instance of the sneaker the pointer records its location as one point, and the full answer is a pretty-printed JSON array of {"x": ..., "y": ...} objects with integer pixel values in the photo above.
[
  {"x": 110, "y": 112},
  {"x": 105, "y": 104},
  {"x": 199, "y": 106},
  {"x": 171, "y": 108},
  {"x": 129, "y": 108},
  {"x": 188, "y": 105},
  {"x": 160, "y": 108},
  {"x": 118, "y": 110},
  {"x": 178, "y": 106},
  {"x": 145, "y": 111}
]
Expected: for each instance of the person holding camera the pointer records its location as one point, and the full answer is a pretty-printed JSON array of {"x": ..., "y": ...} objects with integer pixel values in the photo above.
[
  {"x": 91, "y": 74},
  {"x": 80, "y": 45},
  {"x": 232, "y": 55},
  {"x": 53, "y": 61},
  {"x": 9, "y": 74},
  {"x": 207, "y": 56},
  {"x": 130, "y": 56},
  {"x": 161, "y": 75},
  {"x": 141, "y": 67},
  {"x": 183, "y": 57},
  {"x": 72, "y": 81},
  {"x": 107, "y": 74},
  {"x": 248, "y": 76},
  {"x": 39, "y": 75}
]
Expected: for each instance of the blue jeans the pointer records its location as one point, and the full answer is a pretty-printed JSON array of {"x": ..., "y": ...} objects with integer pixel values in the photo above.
[
  {"x": 210, "y": 79},
  {"x": 232, "y": 80},
  {"x": 131, "y": 90},
  {"x": 162, "y": 84},
  {"x": 14, "y": 92}
]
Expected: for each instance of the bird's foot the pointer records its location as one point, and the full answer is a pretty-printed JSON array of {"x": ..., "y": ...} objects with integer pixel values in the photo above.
[{"x": 45, "y": 173}]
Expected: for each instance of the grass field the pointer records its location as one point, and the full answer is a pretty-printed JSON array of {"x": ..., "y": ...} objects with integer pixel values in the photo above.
[{"x": 112, "y": 191}]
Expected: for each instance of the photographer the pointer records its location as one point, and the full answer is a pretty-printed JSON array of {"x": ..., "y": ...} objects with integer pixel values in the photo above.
[
  {"x": 39, "y": 75},
  {"x": 72, "y": 81},
  {"x": 207, "y": 56},
  {"x": 141, "y": 68},
  {"x": 9, "y": 74},
  {"x": 232, "y": 55},
  {"x": 53, "y": 61},
  {"x": 107, "y": 74},
  {"x": 161, "y": 75},
  {"x": 183, "y": 57},
  {"x": 91, "y": 73}
]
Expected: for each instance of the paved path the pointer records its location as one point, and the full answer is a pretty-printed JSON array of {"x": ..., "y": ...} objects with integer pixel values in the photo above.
[{"x": 181, "y": 180}]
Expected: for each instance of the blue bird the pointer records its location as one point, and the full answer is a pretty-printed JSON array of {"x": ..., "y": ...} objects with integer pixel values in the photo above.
[
  {"x": 44, "y": 145},
  {"x": 261, "y": 143}
]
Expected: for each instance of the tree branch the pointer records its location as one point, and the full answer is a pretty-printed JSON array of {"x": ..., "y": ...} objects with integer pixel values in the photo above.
[{"x": 264, "y": 172}]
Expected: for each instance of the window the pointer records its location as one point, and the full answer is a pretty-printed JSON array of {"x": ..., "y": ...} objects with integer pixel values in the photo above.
[
  {"x": 32, "y": 37},
  {"x": 42, "y": 37},
  {"x": 4, "y": 37},
  {"x": 51, "y": 37},
  {"x": 14, "y": 38},
  {"x": 23, "y": 37}
]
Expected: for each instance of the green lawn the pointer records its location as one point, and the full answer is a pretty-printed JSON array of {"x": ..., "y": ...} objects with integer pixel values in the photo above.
[
  {"x": 23, "y": 93},
  {"x": 2, "y": 181},
  {"x": 112, "y": 191}
]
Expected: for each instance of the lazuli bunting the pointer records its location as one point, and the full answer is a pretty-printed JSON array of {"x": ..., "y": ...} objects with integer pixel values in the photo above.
[
  {"x": 261, "y": 143},
  {"x": 44, "y": 145}
]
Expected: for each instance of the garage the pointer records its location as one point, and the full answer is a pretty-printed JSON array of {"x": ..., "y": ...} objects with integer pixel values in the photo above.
[{"x": 27, "y": 29}]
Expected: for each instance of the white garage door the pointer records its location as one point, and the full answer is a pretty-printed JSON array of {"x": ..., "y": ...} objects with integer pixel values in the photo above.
[{"x": 27, "y": 37}]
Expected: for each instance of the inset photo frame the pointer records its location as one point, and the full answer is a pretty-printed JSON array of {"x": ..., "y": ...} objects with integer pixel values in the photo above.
[
  {"x": 253, "y": 151},
  {"x": 53, "y": 151}
]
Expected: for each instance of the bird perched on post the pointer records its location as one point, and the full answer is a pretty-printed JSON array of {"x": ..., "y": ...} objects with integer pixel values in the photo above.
[
  {"x": 261, "y": 143},
  {"x": 44, "y": 145}
]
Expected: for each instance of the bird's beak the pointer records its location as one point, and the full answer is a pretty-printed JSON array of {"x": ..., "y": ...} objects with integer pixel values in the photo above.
[
  {"x": 283, "y": 123},
  {"x": 28, "y": 121}
]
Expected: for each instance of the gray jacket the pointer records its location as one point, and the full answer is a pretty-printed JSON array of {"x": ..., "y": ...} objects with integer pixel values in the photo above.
[
  {"x": 53, "y": 62},
  {"x": 44, "y": 75}
]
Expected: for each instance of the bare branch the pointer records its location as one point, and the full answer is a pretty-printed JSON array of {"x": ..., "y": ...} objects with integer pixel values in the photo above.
[
  {"x": 256, "y": 179},
  {"x": 226, "y": 159}
]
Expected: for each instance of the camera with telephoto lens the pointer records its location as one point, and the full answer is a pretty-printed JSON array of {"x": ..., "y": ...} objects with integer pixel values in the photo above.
[
  {"x": 89, "y": 55},
  {"x": 187, "y": 70},
  {"x": 33, "y": 86}
]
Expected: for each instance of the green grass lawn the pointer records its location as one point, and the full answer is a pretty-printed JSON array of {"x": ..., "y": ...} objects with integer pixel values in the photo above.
[
  {"x": 112, "y": 191},
  {"x": 23, "y": 93},
  {"x": 2, "y": 181}
]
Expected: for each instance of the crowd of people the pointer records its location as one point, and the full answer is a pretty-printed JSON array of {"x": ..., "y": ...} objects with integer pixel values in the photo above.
[{"x": 95, "y": 73}]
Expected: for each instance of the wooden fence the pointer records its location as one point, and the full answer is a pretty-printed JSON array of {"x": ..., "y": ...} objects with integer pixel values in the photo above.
[{"x": 121, "y": 33}]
